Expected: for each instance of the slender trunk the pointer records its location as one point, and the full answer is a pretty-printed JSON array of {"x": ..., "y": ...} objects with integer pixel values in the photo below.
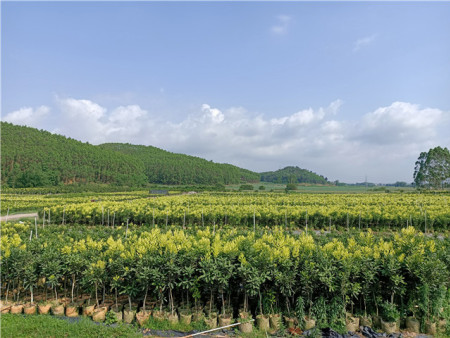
[
  {"x": 223, "y": 304},
  {"x": 96, "y": 294},
  {"x": 260, "y": 302},
  {"x": 171, "y": 300},
  {"x": 365, "y": 307},
  {"x": 73, "y": 285},
  {"x": 31, "y": 291},
  {"x": 145, "y": 297},
  {"x": 245, "y": 302},
  {"x": 56, "y": 294},
  {"x": 210, "y": 302},
  {"x": 7, "y": 291},
  {"x": 375, "y": 301},
  {"x": 129, "y": 301},
  {"x": 104, "y": 292},
  {"x": 116, "y": 299}
]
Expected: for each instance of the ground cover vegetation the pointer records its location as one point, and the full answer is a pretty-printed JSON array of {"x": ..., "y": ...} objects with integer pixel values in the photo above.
[{"x": 215, "y": 274}]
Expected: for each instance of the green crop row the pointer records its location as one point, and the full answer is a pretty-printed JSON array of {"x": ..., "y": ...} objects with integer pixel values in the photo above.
[{"x": 406, "y": 274}]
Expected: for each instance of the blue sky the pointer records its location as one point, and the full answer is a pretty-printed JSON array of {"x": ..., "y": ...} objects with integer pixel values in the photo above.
[{"x": 344, "y": 89}]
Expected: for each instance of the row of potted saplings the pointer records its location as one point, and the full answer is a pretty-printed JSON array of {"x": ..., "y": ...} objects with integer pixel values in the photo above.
[
  {"x": 410, "y": 324},
  {"x": 124, "y": 310}
]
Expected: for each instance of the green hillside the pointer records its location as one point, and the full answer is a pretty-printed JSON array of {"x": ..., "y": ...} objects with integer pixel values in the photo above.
[
  {"x": 34, "y": 158},
  {"x": 37, "y": 158},
  {"x": 293, "y": 175},
  {"x": 168, "y": 168}
]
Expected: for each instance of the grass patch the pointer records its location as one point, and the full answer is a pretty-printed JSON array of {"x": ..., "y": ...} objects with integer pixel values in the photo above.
[
  {"x": 165, "y": 325},
  {"x": 49, "y": 326}
]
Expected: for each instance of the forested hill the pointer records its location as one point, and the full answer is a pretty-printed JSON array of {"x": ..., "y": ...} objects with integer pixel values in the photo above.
[
  {"x": 293, "y": 175},
  {"x": 168, "y": 168},
  {"x": 33, "y": 158}
]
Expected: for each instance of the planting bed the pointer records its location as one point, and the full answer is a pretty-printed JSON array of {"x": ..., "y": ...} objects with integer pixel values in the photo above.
[{"x": 212, "y": 276}]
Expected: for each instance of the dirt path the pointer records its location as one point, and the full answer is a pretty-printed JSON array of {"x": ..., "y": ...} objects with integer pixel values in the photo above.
[{"x": 17, "y": 216}]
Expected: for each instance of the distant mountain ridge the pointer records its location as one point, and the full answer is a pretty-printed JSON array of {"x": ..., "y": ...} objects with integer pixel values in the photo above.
[
  {"x": 37, "y": 158},
  {"x": 293, "y": 175},
  {"x": 33, "y": 158},
  {"x": 165, "y": 167}
]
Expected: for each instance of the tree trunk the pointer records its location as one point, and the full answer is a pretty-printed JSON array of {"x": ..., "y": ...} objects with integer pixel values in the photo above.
[
  {"x": 73, "y": 285},
  {"x": 145, "y": 297},
  {"x": 96, "y": 294}
]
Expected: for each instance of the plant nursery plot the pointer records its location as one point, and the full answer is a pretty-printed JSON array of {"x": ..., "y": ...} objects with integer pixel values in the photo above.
[
  {"x": 320, "y": 211},
  {"x": 212, "y": 276}
]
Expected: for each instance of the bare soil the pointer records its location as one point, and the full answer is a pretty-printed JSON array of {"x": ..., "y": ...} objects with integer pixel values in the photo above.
[{"x": 17, "y": 217}]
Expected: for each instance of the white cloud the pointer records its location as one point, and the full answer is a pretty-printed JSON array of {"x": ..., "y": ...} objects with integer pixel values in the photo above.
[
  {"x": 364, "y": 42},
  {"x": 88, "y": 121},
  {"x": 28, "y": 116},
  {"x": 282, "y": 25},
  {"x": 400, "y": 122},
  {"x": 382, "y": 144}
]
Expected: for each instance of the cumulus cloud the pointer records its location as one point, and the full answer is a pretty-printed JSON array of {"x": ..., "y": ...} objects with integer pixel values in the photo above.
[
  {"x": 89, "y": 121},
  {"x": 28, "y": 116},
  {"x": 282, "y": 25},
  {"x": 364, "y": 42},
  {"x": 382, "y": 144},
  {"x": 399, "y": 123}
]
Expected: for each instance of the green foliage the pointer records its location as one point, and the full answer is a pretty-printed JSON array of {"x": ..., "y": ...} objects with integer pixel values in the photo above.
[
  {"x": 269, "y": 270},
  {"x": 432, "y": 169},
  {"x": 291, "y": 186},
  {"x": 293, "y": 175},
  {"x": 246, "y": 187},
  {"x": 32, "y": 158},
  {"x": 319, "y": 311},
  {"x": 164, "y": 167},
  {"x": 300, "y": 312},
  {"x": 110, "y": 318},
  {"x": 390, "y": 313},
  {"x": 36, "y": 158}
]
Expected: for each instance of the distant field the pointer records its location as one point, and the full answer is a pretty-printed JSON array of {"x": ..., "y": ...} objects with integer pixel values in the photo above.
[{"x": 324, "y": 188}]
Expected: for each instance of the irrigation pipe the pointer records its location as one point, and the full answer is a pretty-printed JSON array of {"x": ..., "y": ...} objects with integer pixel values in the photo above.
[{"x": 218, "y": 328}]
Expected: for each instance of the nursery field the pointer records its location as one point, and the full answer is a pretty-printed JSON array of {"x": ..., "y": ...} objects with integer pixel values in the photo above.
[
  {"x": 213, "y": 275},
  {"x": 298, "y": 210},
  {"x": 205, "y": 260}
]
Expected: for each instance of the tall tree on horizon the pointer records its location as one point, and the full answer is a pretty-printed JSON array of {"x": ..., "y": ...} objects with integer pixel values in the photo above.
[{"x": 432, "y": 168}]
